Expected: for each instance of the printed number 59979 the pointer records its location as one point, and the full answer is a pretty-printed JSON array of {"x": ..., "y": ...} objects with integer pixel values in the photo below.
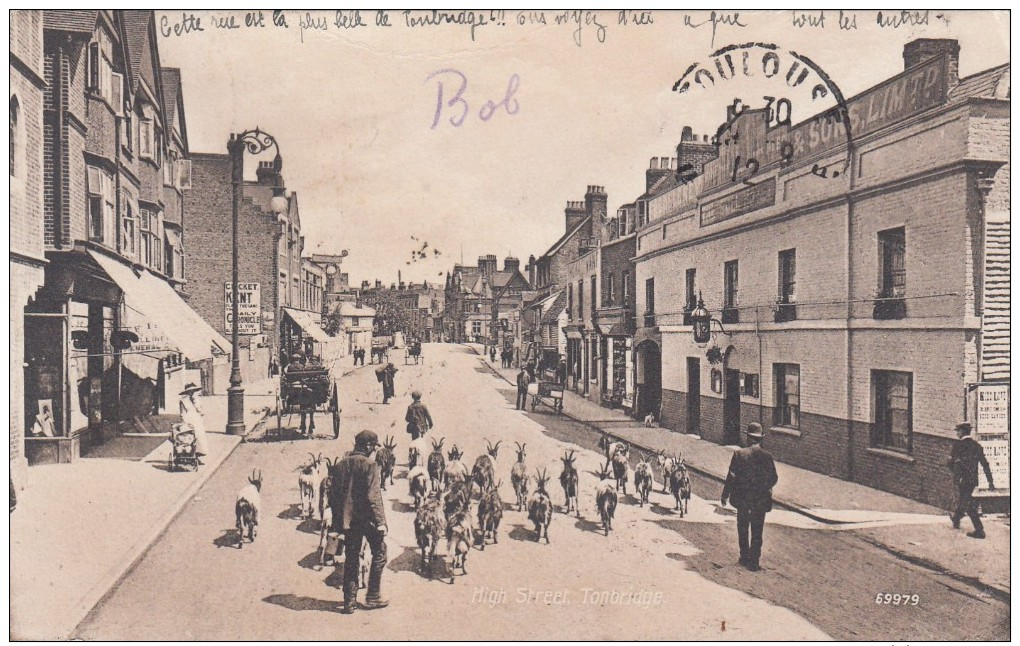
[{"x": 887, "y": 599}]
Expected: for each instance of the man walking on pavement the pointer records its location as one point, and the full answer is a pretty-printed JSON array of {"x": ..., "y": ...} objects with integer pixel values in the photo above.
[
  {"x": 358, "y": 514},
  {"x": 418, "y": 419},
  {"x": 748, "y": 486},
  {"x": 964, "y": 460},
  {"x": 522, "y": 388}
]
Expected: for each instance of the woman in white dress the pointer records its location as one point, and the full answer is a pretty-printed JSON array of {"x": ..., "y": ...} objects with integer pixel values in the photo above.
[{"x": 191, "y": 416}]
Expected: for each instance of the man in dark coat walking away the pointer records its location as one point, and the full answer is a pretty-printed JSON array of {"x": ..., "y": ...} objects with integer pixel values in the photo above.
[
  {"x": 418, "y": 419},
  {"x": 358, "y": 514},
  {"x": 385, "y": 376},
  {"x": 967, "y": 454},
  {"x": 748, "y": 486},
  {"x": 522, "y": 389}
]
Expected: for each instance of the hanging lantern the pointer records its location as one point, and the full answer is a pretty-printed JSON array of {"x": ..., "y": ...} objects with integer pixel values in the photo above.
[{"x": 701, "y": 322}]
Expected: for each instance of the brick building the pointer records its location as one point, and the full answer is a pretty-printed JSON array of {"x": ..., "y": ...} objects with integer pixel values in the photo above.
[
  {"x": 858, "y": 313},
  {"x": 270, "y": 245},
  {"x": 472, "y": 292},
  {"x": 27, "y": 259},
  {"x": 115, "y": 167}
]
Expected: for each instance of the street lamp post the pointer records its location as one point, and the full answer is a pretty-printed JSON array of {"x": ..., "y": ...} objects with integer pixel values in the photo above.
[{"x": 255, "y": 141}]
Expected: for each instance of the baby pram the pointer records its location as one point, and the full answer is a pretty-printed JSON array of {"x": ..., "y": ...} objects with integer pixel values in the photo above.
[{"x": 182, "y": 452}]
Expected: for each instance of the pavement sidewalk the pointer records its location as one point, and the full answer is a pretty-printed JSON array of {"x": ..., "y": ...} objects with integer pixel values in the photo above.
[
  {"x": 911, "y": 530},
  {"x": 79, "y": 528}
]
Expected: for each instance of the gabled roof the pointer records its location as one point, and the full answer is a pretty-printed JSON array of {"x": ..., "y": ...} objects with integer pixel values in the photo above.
[
  {"x": 992, "y": 83},
  {"x": 80, "y": 21},
  {"x": 136, "y": 33},
  {"x": 553, "y": 312},
  {"x": 171, "y": 88},
  {"x": 566, "y": 236}
]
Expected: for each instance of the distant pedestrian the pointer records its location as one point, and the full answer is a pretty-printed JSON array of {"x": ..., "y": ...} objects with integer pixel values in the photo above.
[
  {"x": 385, "y": 375},
  {"x": 561, "y": 372},
  {"x": 492, "y": 353},
  {"x": 966, "y": 455},
  {"x": 358, "y": 513},
  {"x": 191, "y": 416},
  {"x": 522, "y": 389},
  {"x": 418, "y": 419},
  {"x": 531, "y": 370},
  {"x": 748, "y": 486}
]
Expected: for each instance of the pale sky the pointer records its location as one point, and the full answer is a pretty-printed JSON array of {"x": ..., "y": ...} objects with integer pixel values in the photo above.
[{"x": 353, "y": 114}]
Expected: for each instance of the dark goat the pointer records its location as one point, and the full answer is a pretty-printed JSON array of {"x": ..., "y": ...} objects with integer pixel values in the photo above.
[{"x": 568, "y": 480}]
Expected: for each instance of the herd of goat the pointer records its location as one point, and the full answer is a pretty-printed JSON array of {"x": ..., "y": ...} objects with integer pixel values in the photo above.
[{"x": 443, "y": 490}]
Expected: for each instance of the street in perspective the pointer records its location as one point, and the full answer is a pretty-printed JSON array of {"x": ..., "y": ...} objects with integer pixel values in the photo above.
[{"x": 588, "y": 325}]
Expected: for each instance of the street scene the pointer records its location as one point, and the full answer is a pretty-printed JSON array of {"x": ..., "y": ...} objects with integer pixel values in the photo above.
[{"x": 510, "y": 325}]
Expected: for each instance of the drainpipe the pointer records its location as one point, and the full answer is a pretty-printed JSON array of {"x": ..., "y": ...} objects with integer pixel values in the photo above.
[
  {"x": 58, "y": 151},
  {"x": 849, "y": 314},
  {"x": 757, "y": 332}
]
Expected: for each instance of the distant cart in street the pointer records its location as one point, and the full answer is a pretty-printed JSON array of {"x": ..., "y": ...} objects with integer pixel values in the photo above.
[
  {"x": 546, "y": 393},
  {"x": 308, "y": 390},
  {"x": 413, "y": 351}
]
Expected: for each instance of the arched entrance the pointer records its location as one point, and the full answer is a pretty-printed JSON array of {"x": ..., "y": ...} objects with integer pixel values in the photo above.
[{"x": 649, "y": 379}]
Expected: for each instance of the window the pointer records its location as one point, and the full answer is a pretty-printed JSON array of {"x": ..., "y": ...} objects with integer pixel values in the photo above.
[
  {"x": 642, "y": 213},
  {"x": 102, "y": 205},
  {"x": 689, "y": 289},
  {"x": 786, "y": 377},
  {"x": 570, "y": 302},
  {"x": 594, "y": 297},
  {"x": 146, "y": 143},
  {"x": 610, "y": 290},
  {"x": 892, "y": 250},
  {"x": 580, "y": 299},
  {"x": 103, "y": 81},
  {"x": 14, "y": 139},
  {"x": 788, "y": 276},
  {"x": 731, "y": 279},
  {"x": 785, "y": 309},
  {"x": 650, "y": 295},
  {"x": 128, "y": 132},
  {"x": 145, "y": 228},
  {"x": 129, "y": 230},
  {"x": 892, "y": 398},
  {"x": 625, "y": 288},
  {"x": 355, "y": 321},
  {"x": 476, "y": 328}
]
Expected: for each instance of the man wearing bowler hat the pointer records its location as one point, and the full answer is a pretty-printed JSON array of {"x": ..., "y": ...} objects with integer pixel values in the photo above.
[
  {"x": 966, "y": 455},
  {"x": 748, "y": 486},
  {"x": 358, "y": 514}
]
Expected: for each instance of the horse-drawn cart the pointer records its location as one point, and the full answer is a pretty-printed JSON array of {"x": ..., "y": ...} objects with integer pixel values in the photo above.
[
  {"x": 309, "y": 390},
  {"x": 413, "y": 352},
  {"x": 547, "y": 393}
]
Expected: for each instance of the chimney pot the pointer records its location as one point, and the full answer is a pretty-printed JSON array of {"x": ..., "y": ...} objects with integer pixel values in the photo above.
[{"x": 922, "y": 49}]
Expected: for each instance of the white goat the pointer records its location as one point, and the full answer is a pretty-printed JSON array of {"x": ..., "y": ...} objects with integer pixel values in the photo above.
[{"x": 309, "y": 481}]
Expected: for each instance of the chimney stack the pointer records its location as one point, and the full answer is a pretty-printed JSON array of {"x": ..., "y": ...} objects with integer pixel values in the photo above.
[
  {"x": 487, "y": 265},
  {"x": 595, "y": 203},
  {"x": 693, "y": 151},
  {"x": 511, "y": 264},
  {"x": 378, "y": 284},
  {"x": 270, "y": 173},
  {"x": 922, "y": 49}
]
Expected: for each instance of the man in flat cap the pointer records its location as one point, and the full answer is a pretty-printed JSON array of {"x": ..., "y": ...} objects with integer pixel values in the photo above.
[
  {"x": 966, "y": 455},
  {"x": 748, "y": 486},
  {"x": 358, "y": 513}
]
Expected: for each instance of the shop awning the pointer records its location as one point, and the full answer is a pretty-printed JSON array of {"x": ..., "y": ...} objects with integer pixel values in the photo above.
[
  {"x": 553, "y": 311},
  {"x": 309, "y": 324},
  {"x": 157, "y": 302},
  {"x": 572, "y": 331}
]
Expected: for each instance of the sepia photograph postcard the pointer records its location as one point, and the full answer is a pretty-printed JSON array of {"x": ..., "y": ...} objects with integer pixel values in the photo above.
[{"x": 509, "y": 325}]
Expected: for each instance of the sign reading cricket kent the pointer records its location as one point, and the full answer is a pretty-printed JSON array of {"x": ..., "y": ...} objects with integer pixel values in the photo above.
[{"x": 249, "y": 307}]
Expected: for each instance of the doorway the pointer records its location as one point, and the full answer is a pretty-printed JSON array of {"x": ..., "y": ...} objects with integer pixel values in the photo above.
[
  {"x": 693, "y": 396},
  {"x": 731, "y": 407},
  {"x": 649, "y": 379}
]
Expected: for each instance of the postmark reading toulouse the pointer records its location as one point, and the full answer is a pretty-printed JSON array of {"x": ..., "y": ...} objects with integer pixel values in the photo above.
[{"x": 786, "y": 82}]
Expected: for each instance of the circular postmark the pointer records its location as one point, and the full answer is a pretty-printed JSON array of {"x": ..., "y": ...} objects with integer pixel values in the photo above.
[{"x": 781, "y": 107}]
